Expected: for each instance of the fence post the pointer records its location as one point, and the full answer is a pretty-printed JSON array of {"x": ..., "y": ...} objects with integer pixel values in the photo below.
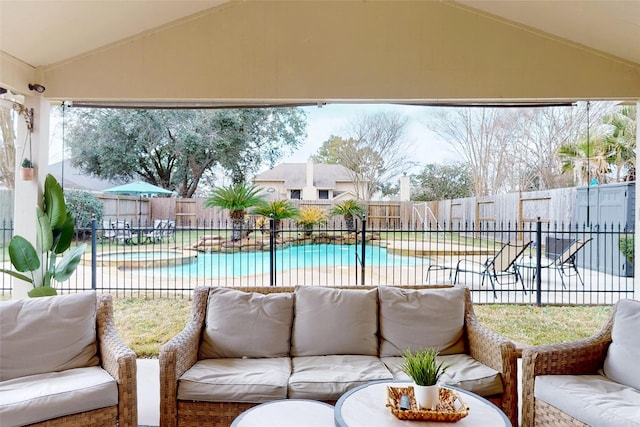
[
  {"x": 94, "y": 252},
  {"x": 363, "y": 243},
  {"x": 272, "y": 252},
  {"x": 539, "y": 262}
]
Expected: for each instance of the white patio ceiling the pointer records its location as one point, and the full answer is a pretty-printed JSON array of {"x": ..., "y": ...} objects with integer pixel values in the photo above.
[{"x": 55, "y": 37}]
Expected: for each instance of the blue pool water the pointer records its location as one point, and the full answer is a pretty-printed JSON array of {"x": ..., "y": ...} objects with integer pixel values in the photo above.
[{"x": 293, "y": 257}]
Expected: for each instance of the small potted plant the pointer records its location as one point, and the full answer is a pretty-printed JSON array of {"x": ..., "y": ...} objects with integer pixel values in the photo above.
[
  {"x": 425, "y": 370},
  {"x": 27, "y": 169}
]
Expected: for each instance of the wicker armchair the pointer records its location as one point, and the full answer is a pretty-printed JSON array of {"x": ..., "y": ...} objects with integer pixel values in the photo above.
[
  {"x": 181, "y": 352},
  {"x": 573, "y": 358},
  {"x": 120, "y": 362}
]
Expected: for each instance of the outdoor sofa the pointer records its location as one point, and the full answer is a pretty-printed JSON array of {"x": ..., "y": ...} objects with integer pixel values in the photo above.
[
  {"x": 245, "y": 346},
  {"x": 590, "y": 382},
  {"x": 63, "y": 364}
]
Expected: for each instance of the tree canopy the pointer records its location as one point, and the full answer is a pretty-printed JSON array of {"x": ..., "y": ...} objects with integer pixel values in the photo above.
[
  {"x": 442, "y": 182},
  {"x": 174, "y": 149}
]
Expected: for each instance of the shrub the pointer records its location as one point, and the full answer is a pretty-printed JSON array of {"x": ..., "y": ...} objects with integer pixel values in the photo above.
[{"x": 82, "y": 206}]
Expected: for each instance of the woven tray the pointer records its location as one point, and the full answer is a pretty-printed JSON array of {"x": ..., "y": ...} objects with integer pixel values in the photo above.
[{"x": 450, "y": 409}]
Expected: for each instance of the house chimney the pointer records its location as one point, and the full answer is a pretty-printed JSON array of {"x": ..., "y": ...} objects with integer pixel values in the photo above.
[
  {"x": 405, "y": 190},
  {"x": 309, "y": 182}
]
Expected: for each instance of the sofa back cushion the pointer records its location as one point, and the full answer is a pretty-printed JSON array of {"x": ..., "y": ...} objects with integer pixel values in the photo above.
[
  {"x": 335, "y": 321},
  {"x": 246, "y": 324},
  {"x": 40, "y": 335},
  {"x": 423, "y": 318},
  {"x": 621, "y": 364}
]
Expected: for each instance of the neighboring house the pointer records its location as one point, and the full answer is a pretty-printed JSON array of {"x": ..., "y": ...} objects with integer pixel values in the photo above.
[
  {"x": 307, "y": 181},
  {"x": 76, "y": 179}
]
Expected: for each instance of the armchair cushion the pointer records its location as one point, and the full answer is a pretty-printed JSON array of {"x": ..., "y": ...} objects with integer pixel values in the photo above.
[
  {"x": 236, "y": 380},
  {"x": 40, "y": 397},
  {"x": 621, "y": 364},
  {"x": 335, "y": 321},
  {"x": 40, "y": 335},
  {"x": 243, "y": 324},
  {"x": 414, "y": 319},
  {"x": 593, "y": 399}
]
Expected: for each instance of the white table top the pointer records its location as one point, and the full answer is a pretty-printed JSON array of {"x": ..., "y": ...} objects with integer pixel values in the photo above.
[
  {"x": 287, "y": 413},
  {"x": 364, "y": 406}
]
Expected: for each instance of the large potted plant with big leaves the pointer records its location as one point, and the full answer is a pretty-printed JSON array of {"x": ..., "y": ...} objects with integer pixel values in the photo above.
[{"x": 54, "y": 234}]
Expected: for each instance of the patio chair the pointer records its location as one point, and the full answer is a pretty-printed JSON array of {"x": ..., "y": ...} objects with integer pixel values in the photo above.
[
  {"x": 565, "y": 262},
  {"x": 123, "y": 232},
  {"x": 162, "y": 229},
  {"x": 498, "y": 268},
  {"x": 108, "y": 233}
]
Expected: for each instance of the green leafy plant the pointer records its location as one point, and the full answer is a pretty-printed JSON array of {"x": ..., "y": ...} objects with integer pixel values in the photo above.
[
  {"x": 626, "y": 244},
  {"x": 54, "y": 235},
  {"x": 349, "y": 209},
  {"x": 423, "y": 367},
  {"x": 237, "y": 198},
  {"x": 27, "y": 163},
  {"x": 311, "y": 216},
  {"x": 278, "y": 210},
  {"x": 84, "y": 206}
]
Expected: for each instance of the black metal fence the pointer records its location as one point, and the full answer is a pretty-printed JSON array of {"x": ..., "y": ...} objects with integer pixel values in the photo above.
[{"x": 532, "y": 263}]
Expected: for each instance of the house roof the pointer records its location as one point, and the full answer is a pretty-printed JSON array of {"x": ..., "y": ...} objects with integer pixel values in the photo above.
[
  {"x": 294, "y": 175},
  {"x": 76, "y": 179}
]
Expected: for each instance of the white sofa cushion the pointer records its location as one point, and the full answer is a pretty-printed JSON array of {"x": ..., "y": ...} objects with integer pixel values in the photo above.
[
  {"x": 424, "y": 318},
  {"x": 465, "y": 372},
  {"x": 593, "y": 399},
  {"x": 335, "y": 321},
  {"x": 328, "y": 377},
  {"x": 245, "y": 324},
  {"x": 47, "y": 334},
  {"x": 40, "y": 397},
  {"x": 621, "y": 363},
  {"x": 236, "y": 380}
]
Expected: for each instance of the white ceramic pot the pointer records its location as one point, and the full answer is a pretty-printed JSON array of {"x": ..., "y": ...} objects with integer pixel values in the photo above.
[{"x": 427, "y": 396}]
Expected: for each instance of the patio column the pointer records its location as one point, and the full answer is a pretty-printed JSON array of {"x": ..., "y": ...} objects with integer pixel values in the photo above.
[
  {"x": 29, "y": 193},
  {"x": 636, "y": 251}
]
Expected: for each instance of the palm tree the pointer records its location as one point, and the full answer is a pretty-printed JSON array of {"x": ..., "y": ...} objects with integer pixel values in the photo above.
[
  {"x": 278, "y": 210},
  {"x": 237, "y": 198},
  {"x": 621, "y": 141},
  {"x": 349, "y": 209}
]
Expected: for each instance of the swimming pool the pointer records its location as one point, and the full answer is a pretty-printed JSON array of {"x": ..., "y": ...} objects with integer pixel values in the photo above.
[
  {"x": 144, "y": 260},
  {"x": 293, "y": 257}
]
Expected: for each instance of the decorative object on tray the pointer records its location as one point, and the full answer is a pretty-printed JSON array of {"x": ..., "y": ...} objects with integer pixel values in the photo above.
[
  {"x": 425, "y": 370},
  {"x": 449, "y": 409}
]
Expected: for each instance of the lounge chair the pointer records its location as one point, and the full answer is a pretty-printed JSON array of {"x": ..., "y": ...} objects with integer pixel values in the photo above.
[
  {"x": 123, "y": 232},
  {"x": 564, "y": 262},
  {"x": 498, "y": 268},
  {"x": 162, "y": 229}
]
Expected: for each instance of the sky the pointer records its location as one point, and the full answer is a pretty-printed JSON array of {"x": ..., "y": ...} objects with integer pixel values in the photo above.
[{"x": 333, "y": 119}]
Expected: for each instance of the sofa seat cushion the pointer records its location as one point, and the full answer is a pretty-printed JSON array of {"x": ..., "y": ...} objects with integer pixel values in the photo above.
[
  {"x": 236, "y": 380},
  {"x": 334, "y": 321},
  {"x": 246, "y": 324},
  {"x": 593, "y": 399},
  {"x": 48, "y": 334},
  {"x": 40, "y": 397},
  {"x": 465, "y": 372},
  {"x": 328, "y": 377},
  {"x": 423, "y": 318}
]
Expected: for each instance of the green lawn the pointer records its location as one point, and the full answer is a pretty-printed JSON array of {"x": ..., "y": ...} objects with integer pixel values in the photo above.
[{"x": 146, "y": 324}]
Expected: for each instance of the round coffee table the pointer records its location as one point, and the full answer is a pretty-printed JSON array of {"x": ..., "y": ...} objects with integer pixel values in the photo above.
[
  {"x": 365, "y": 406},
  {"x": 287, "y": 413}
]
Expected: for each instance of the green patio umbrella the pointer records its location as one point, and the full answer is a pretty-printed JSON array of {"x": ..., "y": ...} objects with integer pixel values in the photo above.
[{"x": 139, "y": 188}]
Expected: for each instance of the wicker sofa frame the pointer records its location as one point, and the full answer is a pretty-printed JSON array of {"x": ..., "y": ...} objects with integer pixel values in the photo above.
[
  {"x": 572, "y": 358},
  {"x": 120, "y": 362},
  {"x": 181, "y": 352}
]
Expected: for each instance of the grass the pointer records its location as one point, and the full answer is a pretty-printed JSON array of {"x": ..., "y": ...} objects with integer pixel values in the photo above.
[{"x": 147, "y": 324}]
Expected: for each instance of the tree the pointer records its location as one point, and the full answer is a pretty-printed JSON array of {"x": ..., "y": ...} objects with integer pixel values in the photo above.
[
  {"x": 7, "y": 148},
  {"x": 608, "y": 147},
  {"x": 175, "y": 148},
  {"x": 278, "y": 210},
  {"x": 375, "y": 150},
  {"x": 442, "y": 182},
  {"x": 349, "y": 209},
  {"x": 237, "y": 198}
]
